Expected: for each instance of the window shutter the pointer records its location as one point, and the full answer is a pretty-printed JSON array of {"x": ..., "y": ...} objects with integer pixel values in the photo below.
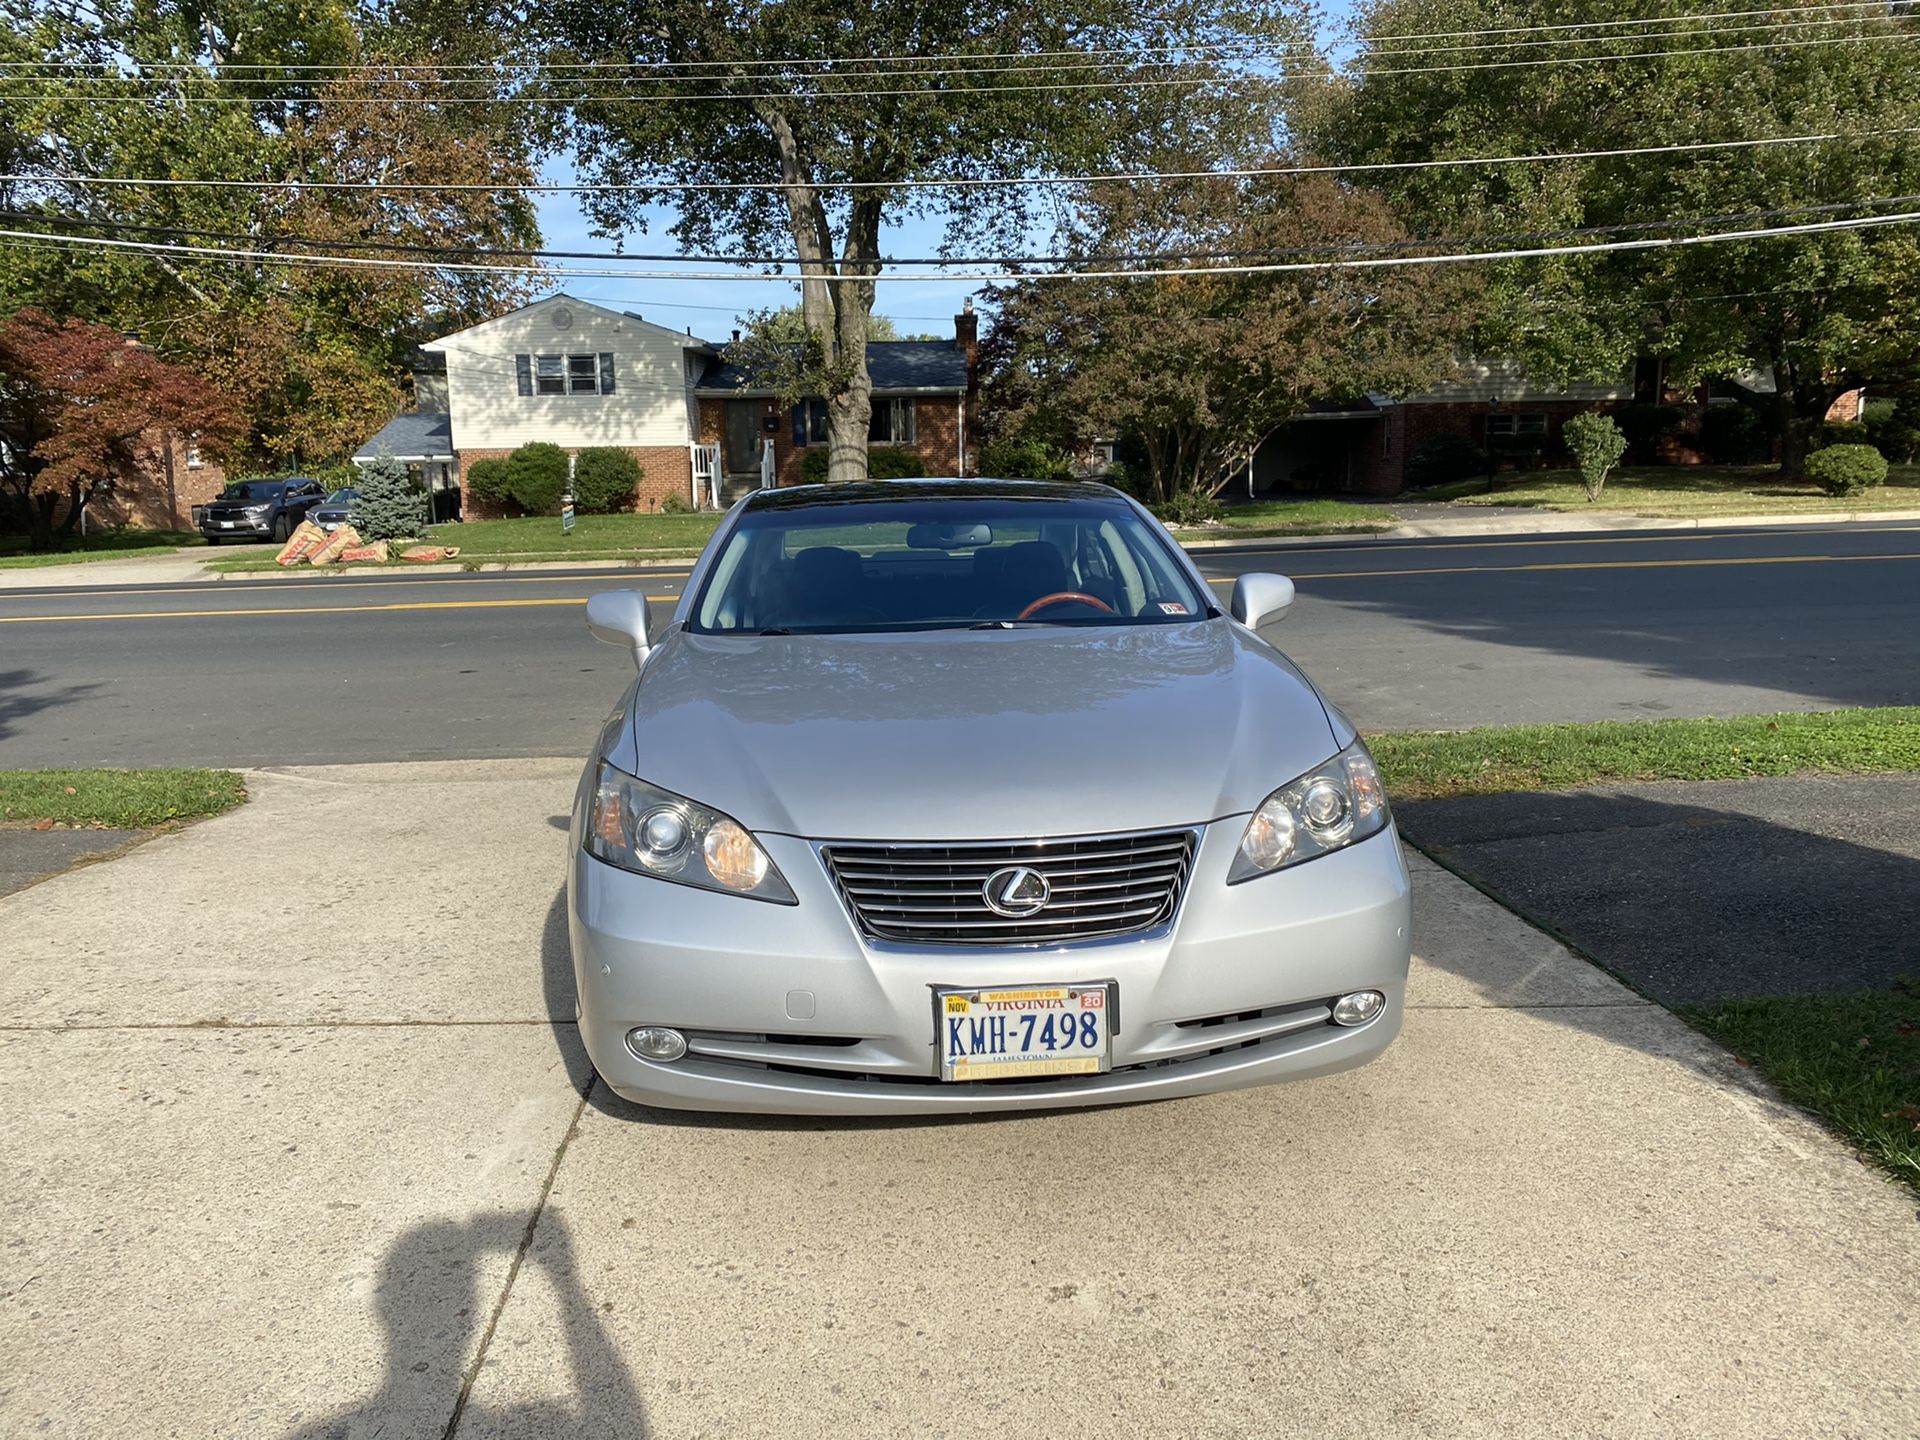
[
  {"x": 800, "y": 426},
  {"x": 606, "y": 372},
  {"x": 523, "y": 371}
]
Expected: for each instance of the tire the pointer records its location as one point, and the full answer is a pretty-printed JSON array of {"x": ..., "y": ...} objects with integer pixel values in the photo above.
[{"x": 281, "y": 530}]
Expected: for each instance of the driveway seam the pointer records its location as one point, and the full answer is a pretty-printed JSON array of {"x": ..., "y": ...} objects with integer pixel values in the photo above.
[{"x": 519, "y": 1257}]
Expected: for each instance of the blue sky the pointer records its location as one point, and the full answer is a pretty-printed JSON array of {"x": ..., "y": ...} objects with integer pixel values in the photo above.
[{"x": 714, "y": 307}]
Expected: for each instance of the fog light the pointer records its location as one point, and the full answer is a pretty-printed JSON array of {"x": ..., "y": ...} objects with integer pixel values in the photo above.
[
  {"x": 657, "y": 1042},
  {"x": 1355, "y": 1009}
]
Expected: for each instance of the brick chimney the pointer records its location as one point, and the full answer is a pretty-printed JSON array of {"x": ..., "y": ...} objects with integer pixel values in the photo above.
[{"x": 966, "y": 333}]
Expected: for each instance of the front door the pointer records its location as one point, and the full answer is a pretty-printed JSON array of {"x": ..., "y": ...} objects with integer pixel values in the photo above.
[{"x": 743, "y": 437}]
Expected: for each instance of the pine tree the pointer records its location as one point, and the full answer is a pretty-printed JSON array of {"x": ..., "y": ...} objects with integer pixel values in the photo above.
[{"x": 385, "y": 504}]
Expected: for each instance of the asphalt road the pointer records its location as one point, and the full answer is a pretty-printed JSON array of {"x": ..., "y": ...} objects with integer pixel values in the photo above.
[{"x": 1402, "y": 634}]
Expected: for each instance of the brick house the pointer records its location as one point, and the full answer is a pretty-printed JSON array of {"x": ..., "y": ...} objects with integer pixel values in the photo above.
[
  {"x": 1361, "y": 446},
  {"x": 576, "y": 374}
]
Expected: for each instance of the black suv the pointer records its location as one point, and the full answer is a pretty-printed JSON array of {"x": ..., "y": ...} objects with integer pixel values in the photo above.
[{"x": 260, "y": 509}]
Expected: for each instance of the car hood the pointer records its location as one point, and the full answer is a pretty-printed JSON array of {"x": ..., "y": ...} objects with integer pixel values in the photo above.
[{"x": 975, "y": 735}]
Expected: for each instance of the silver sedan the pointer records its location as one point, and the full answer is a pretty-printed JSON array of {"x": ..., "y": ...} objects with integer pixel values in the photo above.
[{"x": 964, "y": 795}]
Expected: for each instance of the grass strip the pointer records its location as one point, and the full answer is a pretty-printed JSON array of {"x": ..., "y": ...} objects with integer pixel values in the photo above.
[
  {"x": 110, "y": 545},
  {"x": 122, "y": 799},
  {"x": 1852, "y": 1058},
  {"x": 1680, "y": 491},
  {"x": 1421, "y": 765}
]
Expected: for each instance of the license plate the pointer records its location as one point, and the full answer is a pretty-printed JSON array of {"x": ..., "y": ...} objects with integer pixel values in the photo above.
[
  {"x": 226, "y": 524},
  {"x": 1025, "y": 1031}
]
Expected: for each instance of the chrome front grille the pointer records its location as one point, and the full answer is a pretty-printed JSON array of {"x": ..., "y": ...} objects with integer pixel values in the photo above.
[{"x": 1101, "y": 886}]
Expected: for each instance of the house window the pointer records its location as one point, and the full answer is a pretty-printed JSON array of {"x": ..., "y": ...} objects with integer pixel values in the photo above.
[
  {"x": 1511, "y": 427},
  {"x": 893, "y": 421},
  {"x": 564, "y": 374},
  {"x": 810, "y": 423},
  {"x": 192, "y": 448}
]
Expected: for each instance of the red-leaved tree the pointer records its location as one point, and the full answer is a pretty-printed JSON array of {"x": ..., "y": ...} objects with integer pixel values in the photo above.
[{"x": 83, "y": 409}]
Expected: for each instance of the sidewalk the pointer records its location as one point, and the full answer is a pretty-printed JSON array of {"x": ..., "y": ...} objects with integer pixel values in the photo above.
[
  {"x": 333, "y": 1137},
  {"x": 1418, "y": 521}
]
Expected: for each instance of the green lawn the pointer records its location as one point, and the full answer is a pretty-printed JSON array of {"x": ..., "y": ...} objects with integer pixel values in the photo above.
[
  {"x": 1421, "y": 765},
  {"x": 1292, "y": 517},
  {"x": 1853, "y": 1058},
  {"x": 123, "y": 799},
  {"x": 531, "y": 538},
  {"x": 109, "y": 545},
  {"x": 1682, "y": 490}
]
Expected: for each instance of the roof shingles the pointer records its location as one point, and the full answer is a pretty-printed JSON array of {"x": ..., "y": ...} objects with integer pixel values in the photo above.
[{"x": 893, "y": 364}]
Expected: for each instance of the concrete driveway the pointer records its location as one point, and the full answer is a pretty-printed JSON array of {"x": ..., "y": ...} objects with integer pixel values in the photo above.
[{"x": 299, "y": 1142}]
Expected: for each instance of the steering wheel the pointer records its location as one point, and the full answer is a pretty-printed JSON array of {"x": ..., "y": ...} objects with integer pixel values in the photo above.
[{"x": 1060, "y": 595}]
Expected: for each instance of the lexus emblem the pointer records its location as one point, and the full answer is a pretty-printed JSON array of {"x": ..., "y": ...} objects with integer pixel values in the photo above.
[{"x": 1017, "y": 892}]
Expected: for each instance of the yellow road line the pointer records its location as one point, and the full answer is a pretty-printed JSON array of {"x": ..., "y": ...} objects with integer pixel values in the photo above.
[
  {"x": 1498, "y": 542},
  {"x": 307, "y": 610},
  {"x": 1701, "y": 562},
  {"x": 241, "y": 587}
]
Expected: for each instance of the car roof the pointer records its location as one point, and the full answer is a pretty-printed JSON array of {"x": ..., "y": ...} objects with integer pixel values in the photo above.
[{"x": 935, "y": 488}]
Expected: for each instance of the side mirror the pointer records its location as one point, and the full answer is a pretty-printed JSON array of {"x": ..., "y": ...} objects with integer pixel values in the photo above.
[
  {"x": 1261, "y": 600},
  {"x": 620, "y": 617}
]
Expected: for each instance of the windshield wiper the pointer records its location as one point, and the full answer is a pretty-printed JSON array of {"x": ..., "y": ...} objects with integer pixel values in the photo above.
[
  {"x": 991, "y": 625},
  {"x": 776, "y": 630}
]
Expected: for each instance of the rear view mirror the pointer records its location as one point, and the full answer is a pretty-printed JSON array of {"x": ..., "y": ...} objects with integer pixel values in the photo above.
[
  {"x": 928, "y": 536},
  {"x": 1261, "y": 600},
  {"x": 620, "y": 617}
]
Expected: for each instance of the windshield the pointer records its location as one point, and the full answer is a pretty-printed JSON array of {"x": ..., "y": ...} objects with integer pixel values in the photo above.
[
  {"x": 252, "y": 490},
  {"x": 938, "y": 562},
  {"x": 341, "y": 497}
]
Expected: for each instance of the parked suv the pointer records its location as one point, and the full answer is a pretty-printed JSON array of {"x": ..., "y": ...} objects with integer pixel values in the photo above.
[
  {"x": 260, "y": 509},
  {"x": 336, "y": 510}
]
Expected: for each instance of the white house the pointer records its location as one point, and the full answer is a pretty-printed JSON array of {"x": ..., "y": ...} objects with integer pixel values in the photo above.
[{"x": 576, "y": 374}]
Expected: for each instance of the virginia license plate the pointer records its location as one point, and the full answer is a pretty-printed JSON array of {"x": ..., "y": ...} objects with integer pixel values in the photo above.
[{"x": 1025, "y": 1031}]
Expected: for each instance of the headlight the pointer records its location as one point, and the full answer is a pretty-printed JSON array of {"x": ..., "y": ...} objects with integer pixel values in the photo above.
[
  {"x": 1328, "y": 808},
  {"x": 650, "y": 831},
  {"x": 258, "y": 509}
]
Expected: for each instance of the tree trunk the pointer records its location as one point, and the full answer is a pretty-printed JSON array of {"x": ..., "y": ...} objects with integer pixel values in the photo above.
[
  {"x": 1796, "y": 432},
  {"x": 836, "y": 301}
]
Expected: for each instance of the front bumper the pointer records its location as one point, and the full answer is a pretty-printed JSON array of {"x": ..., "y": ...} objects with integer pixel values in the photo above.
[
  {"x": 788, "y": 1009},
  {"x": 236, "y": 525}
]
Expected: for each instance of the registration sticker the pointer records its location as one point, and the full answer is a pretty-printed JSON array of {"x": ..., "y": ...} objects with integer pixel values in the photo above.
[
  {"x": 1171, "y": 607},
  {"x": 1024, "y": 1032}
]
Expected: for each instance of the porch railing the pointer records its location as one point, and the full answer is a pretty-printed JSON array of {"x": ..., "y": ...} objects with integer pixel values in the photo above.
[
  {"x": 706, "y": 475},
  {"x": 766, "y": 465}
]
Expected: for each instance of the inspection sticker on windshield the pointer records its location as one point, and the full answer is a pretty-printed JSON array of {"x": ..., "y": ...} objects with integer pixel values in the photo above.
[
  {"x": 1171, "y": 607},
  {"x": 1026, "y": 1032}
]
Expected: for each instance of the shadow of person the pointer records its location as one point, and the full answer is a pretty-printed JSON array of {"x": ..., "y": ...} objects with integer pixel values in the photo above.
[{"x": 434, "y": 1316}]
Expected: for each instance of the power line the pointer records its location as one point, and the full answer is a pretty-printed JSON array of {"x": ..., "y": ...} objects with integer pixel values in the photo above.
[
  {"x": 827, "y": 64},
  {"x": 959, "y": 92},
  {"x": 1347, "y": 247},
  {"x": 984, "y": 277},
  {"x": 158, "y": 76},
  {"x": 956, "y": 182}
]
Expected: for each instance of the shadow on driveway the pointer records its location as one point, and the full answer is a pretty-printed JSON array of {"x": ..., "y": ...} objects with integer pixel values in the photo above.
[
  {"x": 433, "y": 1315},
  {"x": 1699, "y": 891}
]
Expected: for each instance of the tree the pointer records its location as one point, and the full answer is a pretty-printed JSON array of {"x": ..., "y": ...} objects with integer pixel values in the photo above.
[
  {"x": 83, "y": 409},
  {"x": 386, "y": 506},
  {"x": 1826, "y": 312},
  {"x": 334, "y": 92},
  {"x": 788, "y": 326},
  {"x": 1597, "y": 445},
  {"x": 810, "y": 129},
  {"x": 1196, "y": 370}
]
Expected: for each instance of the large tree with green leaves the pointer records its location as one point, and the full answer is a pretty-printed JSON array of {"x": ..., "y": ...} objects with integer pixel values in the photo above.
[
  {"x": 1826, "y": 312},
  {"x": 1197, "y": 369},
  {"x": 296, "y": 96},
  {"x": 828, "y": 106}
]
